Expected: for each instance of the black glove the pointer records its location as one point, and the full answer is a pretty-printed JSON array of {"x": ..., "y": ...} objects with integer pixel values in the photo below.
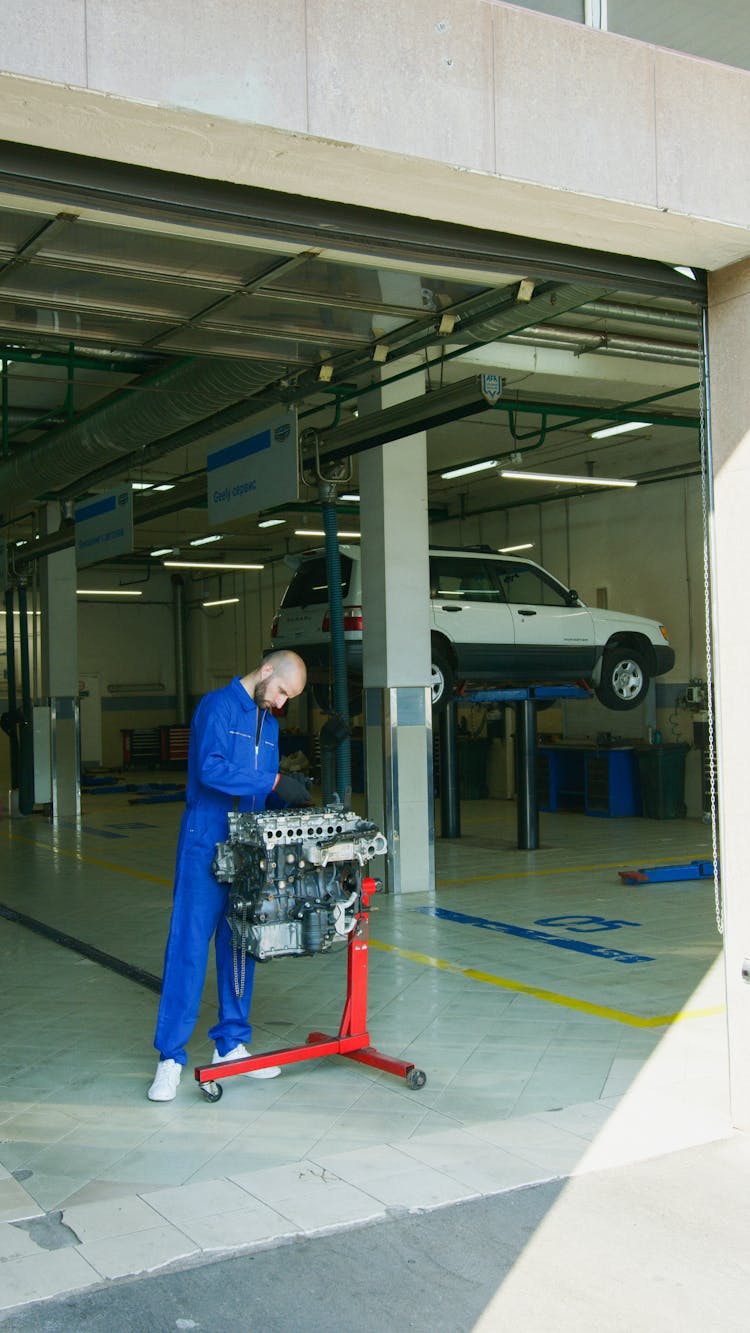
[{"x": 291, "y": 791}]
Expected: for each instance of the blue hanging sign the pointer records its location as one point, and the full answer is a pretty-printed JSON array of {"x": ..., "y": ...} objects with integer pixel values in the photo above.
[
  {"x": 104, "y": 526},
  {"x": 257, "y": 472}
]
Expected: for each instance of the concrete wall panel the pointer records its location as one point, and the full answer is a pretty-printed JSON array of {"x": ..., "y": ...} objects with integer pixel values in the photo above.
[
  {"x": 573, "y": 107},
  {"x": 428, "y": 86},
  {"x": 46, "y": 41},
  {"x": 702, "y": 120},
  {"x": 243, "y": 61},
  {"x": 359, "y": 102}
]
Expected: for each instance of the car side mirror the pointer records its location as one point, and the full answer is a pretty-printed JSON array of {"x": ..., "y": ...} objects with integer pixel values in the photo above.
[{"x": 572, "y": 597}]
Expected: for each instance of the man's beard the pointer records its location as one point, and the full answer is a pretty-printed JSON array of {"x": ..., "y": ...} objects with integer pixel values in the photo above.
[{"x": 260, "y": 695}]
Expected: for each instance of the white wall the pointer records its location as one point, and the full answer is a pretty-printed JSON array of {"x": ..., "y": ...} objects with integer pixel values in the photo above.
[{"x": 128, "y": 643}]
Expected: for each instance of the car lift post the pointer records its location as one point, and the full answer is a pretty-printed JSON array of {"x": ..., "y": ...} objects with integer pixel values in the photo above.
[
  {"x": 450, "y": 803},
  {"x": 353, "y": 1039},
  {"x": 527, "y": 805}
]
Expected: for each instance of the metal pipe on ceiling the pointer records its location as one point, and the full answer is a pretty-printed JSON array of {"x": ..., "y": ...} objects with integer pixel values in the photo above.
[
  {"x": 491, "y": 316},
  {"x": 569, "y": 338},
  {"x": 28, "y": 416},
  {"x": 642, "y": 314},
  {"x": 184, "y": 395},
  {"x": 85, "y": 358},
  {"x": 180, "y": 651},
  {"x": 577, "y": 349}
]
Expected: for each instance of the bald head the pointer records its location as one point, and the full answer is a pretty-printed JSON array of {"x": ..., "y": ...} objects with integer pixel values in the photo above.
[{"x": 281, "y": 676}]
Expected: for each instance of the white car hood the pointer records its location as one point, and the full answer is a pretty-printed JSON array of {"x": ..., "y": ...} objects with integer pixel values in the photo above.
[{"x": 620, "y": 620}]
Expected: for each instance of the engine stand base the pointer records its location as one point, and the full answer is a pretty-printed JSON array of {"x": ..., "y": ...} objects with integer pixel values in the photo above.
[{"x": 353, "y": 1040}]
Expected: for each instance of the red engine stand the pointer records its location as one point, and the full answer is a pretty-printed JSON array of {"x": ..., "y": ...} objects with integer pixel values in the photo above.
[{"x": 353, "y": 1039}]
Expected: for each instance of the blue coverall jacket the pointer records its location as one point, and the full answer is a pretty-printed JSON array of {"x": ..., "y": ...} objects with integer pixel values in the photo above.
[{"x": 233, "y": 753}]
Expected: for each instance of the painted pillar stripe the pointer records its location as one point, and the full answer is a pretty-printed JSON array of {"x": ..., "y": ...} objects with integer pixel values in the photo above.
[{"x": 539, "y": 936}]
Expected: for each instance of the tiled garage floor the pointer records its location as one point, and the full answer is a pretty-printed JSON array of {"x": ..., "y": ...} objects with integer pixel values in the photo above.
[{"x": 565, "y": 1021}]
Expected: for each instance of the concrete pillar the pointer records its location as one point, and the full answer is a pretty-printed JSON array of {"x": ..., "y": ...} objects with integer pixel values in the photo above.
[
  {"x": 395, "y": 583},
  {"x": 57, "y": 586},
  {"x": 729, "y": 353}
]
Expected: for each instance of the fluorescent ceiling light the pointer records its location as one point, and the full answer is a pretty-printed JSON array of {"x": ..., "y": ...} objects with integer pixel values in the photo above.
[
  {"x": 350, "y": 495},
  {"x": 567, "y": 480},
  {"x": 318, "y": 532},
  {"x": 622, "y": 429},
  {"x": 470, "y": 467},
  {"x": 162, "y": 550},
  {"x": 688, "y": 272},
  {"x": 141, "y": 485},
  {"x": 165, "y": 486},
  {"x": 23, "y": 542},
  {"x": 222, "y": 601},
  {"x": 524, "y": 546},
  {"x": 108, "y": 592},
  {"x": 205, "y": 541},
  {"x": 206, "y": 564},
  {"x": 270, "y": 522}
]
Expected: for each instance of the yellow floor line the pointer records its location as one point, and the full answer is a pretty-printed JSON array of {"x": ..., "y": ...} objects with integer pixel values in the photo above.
[
  {"x": 548, "y": 996},
  {"x": 558, "y": 870},
  {"x": 441, "y": 883},
  {"x": 90, "y": 860}
]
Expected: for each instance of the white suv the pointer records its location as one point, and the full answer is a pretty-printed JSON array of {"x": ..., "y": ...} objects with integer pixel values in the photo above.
[{"x": 495, "y": 618}]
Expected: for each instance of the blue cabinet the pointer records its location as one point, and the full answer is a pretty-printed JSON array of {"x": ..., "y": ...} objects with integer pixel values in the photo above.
[{"x": 600, "y": 782}]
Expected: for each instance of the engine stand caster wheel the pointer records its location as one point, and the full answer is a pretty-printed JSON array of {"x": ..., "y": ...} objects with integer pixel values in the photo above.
[
  {"x": 212, "y": 1092},
  {"x": 416, "y": 1078}
]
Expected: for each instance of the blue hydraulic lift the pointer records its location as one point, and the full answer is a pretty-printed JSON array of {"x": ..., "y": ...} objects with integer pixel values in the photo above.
[{"x": 524, "y": 700}]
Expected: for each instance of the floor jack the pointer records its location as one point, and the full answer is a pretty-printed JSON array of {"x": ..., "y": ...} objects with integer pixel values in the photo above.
[
  {"x": 353, "y": 1039},
  {"x": 699, "y": 869}
]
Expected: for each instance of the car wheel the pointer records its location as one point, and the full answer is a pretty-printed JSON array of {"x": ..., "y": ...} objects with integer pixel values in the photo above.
[
  {"x": 625, "y": 678},
  {"x": 442, "y": 679}
]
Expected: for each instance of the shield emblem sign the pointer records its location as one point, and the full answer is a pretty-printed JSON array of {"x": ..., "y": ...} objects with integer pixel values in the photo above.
[{"x": 492, "y": 388}]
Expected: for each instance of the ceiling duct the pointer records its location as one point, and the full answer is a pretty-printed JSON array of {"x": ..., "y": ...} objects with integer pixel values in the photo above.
[
  {"x": 548, "y": 302},
  {"x": 158, "y": 406}
]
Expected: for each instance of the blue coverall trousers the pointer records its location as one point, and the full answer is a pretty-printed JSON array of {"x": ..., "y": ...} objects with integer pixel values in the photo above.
[{"x": 233, "y": 756}]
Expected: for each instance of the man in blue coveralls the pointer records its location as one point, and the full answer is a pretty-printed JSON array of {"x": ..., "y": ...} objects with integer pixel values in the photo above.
[{"x": 233, "y": 758}]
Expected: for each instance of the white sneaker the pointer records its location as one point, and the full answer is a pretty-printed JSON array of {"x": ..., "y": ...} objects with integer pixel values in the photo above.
[
  {"x": 164, "y": 1086},
  {"x": 242, "y": 1053}
]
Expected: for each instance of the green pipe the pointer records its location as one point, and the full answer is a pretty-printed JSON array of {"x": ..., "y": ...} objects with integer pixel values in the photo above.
[
  {"x": 6, "y": 440},
  {"x": 604, "y": 414},
  {"x": 623, "y": 413}
]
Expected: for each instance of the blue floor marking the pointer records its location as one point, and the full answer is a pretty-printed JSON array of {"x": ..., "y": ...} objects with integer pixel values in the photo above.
[{"x": 540, "y": 936}]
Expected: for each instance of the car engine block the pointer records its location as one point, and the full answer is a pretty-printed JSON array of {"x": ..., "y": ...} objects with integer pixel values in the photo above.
[{"x": 296, "y": 878}]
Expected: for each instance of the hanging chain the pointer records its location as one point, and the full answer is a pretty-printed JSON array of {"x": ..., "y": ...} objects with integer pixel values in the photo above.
[
  {"x": 239, "y": 969},
  {"x": 705, "y": 450}
]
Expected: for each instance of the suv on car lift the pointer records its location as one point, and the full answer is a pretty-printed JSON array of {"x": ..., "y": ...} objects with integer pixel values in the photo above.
[{"x": 497, "y": 618}]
